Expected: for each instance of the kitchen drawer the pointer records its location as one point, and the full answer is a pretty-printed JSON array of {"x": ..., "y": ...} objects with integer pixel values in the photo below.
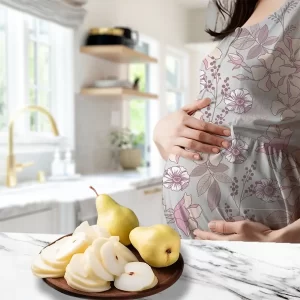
[
  {"x": 149, "y": 205},
  {"x": 43, "y": 221}
]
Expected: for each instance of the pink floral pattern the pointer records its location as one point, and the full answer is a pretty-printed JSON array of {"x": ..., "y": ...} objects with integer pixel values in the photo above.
[
  {"x": 185, "y": 215},
  {"x": 275, "y": 140},
  {"x": 239, "y": 101},
  {"x": 268, "y": 73},
  {"x": 238, "y": 151},
  {"x": 176, "y": 178},
  {"x": 267, "y": 190},
  {"x": 286, "y": 107},
  {"x": 253, "y": 80}
]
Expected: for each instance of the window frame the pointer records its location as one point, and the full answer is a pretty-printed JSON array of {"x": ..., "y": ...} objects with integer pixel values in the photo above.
[
  {"x": 182, "y": 88},
  {"x": 6, "y": 55},
  {"x": 63, "y": 90},
  {"x": 151, "y": 107}
]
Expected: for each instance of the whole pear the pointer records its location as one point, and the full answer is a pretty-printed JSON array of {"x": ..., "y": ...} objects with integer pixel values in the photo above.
[
  {"x": 115, "y": 218},
  {"x": 158, "y": 245}
]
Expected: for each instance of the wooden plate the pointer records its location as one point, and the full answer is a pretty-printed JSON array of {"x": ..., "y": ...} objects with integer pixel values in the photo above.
[{"x": 166, "y": 277}]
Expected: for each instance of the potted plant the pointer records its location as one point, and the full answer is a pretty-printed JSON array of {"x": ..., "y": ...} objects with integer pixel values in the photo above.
[{"x": 128, "y": 144}]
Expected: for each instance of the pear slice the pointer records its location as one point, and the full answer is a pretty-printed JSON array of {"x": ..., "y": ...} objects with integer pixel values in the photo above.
[
  {"x": 48, "y": 255},
  {"x": 41, "y": 275},
  {"x": 83, "y": 227},
  {"x": 86, "y": 289},
  {"x": 153, "y": 284},
  {"x": 75, "y": 244},
  {"x": 94, "y": 266},
  {"x": 97, "y": 245},
  {"x": 41, "y": 269},
  {"x": 112, "y": 263},
  {"x": 76, "y": 272},
  {"x": 100, "y": 231},
  {"x": 114, "y": 239},
  {"x": 138, "y": 276},
  {"x": 124, "y": 252},
  {"x": 90, "y": 232}
]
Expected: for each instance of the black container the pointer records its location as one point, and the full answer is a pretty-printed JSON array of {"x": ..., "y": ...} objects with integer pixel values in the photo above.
[
  {"x": 131, "y": 35},
  {"x": 108, "y": 36}
]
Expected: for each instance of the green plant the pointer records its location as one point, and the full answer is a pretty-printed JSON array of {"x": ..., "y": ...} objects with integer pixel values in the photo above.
[{"x": 124, "y": 138}]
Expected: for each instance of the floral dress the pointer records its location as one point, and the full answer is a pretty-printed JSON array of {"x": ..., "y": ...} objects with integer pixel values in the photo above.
[{"x": 253, "y": 79}]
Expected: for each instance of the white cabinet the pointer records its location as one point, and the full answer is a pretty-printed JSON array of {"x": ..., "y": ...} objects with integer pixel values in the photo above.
[
  {"x": 149, "y": 208},
  {"x": 43, "y": 221}
]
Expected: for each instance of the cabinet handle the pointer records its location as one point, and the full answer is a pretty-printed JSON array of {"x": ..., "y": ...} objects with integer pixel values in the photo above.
[{"x": 153, "y": 191}]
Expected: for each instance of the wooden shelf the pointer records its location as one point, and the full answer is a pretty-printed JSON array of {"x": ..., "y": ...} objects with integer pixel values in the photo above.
[
  {"x": 118, "y": 54},
  {"x": 117, "y": 92}
]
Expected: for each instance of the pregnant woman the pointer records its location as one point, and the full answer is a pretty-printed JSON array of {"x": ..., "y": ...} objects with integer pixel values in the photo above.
[{"x": 233, "y": 157}]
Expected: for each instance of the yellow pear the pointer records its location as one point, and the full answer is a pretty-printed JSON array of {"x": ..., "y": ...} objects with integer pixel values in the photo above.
[
  {"x": 115, "y": 218},
  {"x": 158, "y": 245}
]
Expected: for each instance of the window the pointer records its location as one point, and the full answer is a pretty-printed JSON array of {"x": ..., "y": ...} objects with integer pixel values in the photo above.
[
  {"x": 3, "y": 69},
  {"x": 36, "y": 68},
  {"x": 39, "y": 70},
  {"x": 139, "y": 108},
  {"x": 175, "y": 68}
]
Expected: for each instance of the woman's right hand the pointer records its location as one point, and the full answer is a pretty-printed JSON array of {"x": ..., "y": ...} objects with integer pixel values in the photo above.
[{"x": 180, "y": 131}]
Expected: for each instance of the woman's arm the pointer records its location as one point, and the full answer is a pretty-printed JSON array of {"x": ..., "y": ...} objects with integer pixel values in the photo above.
[
  {"x": 179, "y": 131},
  {"x": 291, "y": 233}
]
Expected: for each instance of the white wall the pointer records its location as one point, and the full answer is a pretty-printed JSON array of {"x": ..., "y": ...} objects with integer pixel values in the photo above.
[{"x": 163, "y": 21}]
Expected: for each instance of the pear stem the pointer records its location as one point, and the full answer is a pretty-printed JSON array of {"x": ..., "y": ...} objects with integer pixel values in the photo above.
[{"x": 92, "y": 188}]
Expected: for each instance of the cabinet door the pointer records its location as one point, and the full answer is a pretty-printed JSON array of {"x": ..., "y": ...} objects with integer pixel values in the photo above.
[
  {"x": 44, "y": 221},
  {"x": 150, "y": 208}
]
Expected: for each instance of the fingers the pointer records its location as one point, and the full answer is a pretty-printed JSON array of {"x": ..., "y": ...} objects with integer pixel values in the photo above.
[
  {"x": 209, "y": 236},
  {"x": 206, "y": 138},
  {"x": 197, "y": 146},
  {"x": 207, "y": 127},
  {"x": 239, "y": 227},
  {"x": 199, "y": 104},
  {"x": 177, "y": 150},
  {"x": 224, "y": 227}
]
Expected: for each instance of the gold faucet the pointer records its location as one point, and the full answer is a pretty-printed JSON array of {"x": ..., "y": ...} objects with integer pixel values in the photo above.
[{"x": 12, "y": 166}]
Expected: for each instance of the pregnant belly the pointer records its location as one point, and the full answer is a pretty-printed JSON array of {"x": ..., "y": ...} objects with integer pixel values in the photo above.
[{"x": 253, "y": 180}]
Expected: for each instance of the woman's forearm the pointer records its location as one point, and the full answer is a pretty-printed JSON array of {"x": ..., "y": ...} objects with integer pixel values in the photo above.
[{"x": 291, "y": 233}]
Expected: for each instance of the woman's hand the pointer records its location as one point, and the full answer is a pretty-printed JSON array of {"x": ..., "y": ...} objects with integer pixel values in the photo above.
[
  {"x": 180, "y": 130},
  {"x": 246, "y": 231}
]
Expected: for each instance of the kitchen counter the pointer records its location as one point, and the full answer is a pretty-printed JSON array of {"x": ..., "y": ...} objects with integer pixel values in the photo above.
[
  {"x": 213, "y": 270},
  {"x": 77, "y": 190}
]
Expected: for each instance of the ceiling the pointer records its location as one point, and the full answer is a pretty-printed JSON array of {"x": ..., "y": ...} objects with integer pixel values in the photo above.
[{"x": 193, "y": 3}]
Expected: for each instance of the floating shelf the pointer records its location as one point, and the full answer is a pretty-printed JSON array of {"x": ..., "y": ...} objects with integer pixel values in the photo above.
[
  {"x": 118, "y": 54},
  {"x": 117, "y": 92}
]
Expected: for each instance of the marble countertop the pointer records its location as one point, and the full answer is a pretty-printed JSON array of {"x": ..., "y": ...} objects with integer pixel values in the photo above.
[
  {"x": 213, "y": 271},
  {"x": 77, "y": 190}
]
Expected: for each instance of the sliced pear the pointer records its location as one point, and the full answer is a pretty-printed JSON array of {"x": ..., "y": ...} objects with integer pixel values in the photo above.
[
  {"x": 41, "y": 269},
  {"x": 48, "y": 255},
  {"x": 76, "y": 266},
  {"x": 60, "y": 242},
  {"x": 83, "y": 227},
  {"x": 112, "y": 263},
  {"x": 100, "y": 231},
  {"x": 93, "y": 265},
  {"x": 138, "y": 276},
  {"x": 124, "y": 252},
  {"x": 91, "y": 233},
  {"x": 114, "y": 239},
  {"x": 86, "y": 289},
  {"x": 41, "y": 275},
  {"x": 153, "y": 284},
  {"x": 76, "y": 244},
  {"x": 86, "y": 281}
]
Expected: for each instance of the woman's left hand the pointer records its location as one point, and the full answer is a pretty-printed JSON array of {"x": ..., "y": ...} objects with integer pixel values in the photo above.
[{"x": 246, "y": 231}]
